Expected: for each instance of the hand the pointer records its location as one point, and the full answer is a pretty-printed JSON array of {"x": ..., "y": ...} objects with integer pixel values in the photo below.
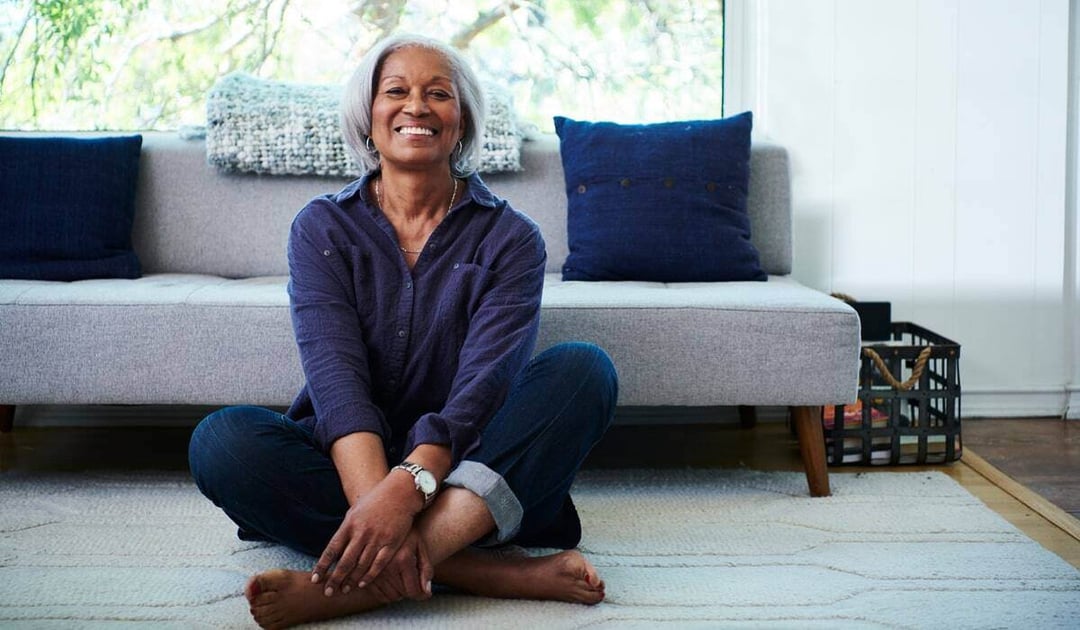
[
  {"x": 369, "y": 536},
  {"x": 408, "y": 575}
]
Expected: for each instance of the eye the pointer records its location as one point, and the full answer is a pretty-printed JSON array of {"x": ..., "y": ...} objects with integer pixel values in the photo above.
[
  {"x": 441, "y": 94},
  {"x": 395, "y": 91}
]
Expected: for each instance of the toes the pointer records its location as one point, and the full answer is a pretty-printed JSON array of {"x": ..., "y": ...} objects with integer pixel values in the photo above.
[
  {"x": 591, "y": 575},
  {"x": 597, "y": 595},
  {"x": 590, "y": 597},
  {"x": 262, "y": 590},
  {"x": 252, "y": 588}
]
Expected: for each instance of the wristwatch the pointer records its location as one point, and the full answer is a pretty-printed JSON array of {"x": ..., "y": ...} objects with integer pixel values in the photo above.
[{"x": 425, "y": 481}]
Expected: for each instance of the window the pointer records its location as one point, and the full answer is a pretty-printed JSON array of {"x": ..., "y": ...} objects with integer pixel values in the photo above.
[{"x": 147, "y": 64}]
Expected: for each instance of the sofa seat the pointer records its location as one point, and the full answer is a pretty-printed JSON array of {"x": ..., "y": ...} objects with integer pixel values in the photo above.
[
  {"x": 160, "y": 339},
  {"x": 168, "y": 338},
  {"x": 706, "y": 344}
]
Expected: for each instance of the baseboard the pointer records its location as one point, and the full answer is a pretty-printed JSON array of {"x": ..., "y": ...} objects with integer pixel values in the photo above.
[
  {"x": 1026, "y": 403},
  {"x": 1072, "y": 406}
]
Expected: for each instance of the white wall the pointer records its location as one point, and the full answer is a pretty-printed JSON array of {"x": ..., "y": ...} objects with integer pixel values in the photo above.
[{"x": 928, "y": 146}]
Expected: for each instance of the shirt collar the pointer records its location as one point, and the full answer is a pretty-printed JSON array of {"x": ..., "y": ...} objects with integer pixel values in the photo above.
[{"x": 475, "y": 189}]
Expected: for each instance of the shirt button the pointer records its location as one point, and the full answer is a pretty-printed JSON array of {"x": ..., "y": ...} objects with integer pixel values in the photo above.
[
  {"x": 581, "y": 189},
  {"x": 668, "y": 182},
  {"x": 456, "y": 265},
  {"x": 401, "y": 333},
  {"x": 408, "y": 285},
  {"x": 625, "y": 182},
  {"x": 326, "y": 252},
  {"x": 711, "y": 186}
]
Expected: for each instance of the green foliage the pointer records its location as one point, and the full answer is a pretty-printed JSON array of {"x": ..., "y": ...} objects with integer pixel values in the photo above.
[
  {"x": 587, "y": 13},
  {"x": 135, "y": 64}
]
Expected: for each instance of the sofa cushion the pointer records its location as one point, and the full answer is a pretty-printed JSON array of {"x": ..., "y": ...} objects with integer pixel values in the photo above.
[
  {"x": 158, "y": 339},
  {"x": 69, "y": 205},
  {"x": 663, "y": 202},
  {"x": 683, "y": 344},
  {"x": 710, "y": 343}
]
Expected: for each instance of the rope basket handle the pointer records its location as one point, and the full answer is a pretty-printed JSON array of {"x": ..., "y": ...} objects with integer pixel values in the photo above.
[
  {"x": 916, "y": 372},
  {"x": 879, "y": 363}
]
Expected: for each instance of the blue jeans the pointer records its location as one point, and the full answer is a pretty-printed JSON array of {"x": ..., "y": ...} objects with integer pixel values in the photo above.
[{"x": 266, "y": 473}]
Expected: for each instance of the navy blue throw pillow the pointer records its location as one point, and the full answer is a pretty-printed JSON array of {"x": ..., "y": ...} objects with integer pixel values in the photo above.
[
  {"x": 662, "y": 202},
  {"x": 67, "y": 206}
]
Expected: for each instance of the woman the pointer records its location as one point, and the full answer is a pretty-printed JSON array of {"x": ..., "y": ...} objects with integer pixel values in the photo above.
[{"x": 425, "y": 440}]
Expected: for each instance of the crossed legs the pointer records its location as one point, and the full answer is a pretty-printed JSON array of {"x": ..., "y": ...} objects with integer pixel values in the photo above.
[{"x": 557, "y": 410}]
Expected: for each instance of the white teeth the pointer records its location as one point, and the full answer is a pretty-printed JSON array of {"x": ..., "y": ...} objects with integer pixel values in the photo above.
[{"x": 416, "y": 131}]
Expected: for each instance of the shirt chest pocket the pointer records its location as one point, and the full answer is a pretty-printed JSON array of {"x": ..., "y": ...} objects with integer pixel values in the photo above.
[{"x": 461, "y": 293}]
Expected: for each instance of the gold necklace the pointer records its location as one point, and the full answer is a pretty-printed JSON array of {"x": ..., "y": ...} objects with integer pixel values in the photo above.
[{"x": 378, "y": 199}]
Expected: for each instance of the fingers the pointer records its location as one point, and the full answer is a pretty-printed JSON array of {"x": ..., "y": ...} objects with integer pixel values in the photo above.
[
  {"x": 382, "y": 558},
  {"x": 358, "y": 567},
  {"x": 359, "y": 552},
  {"x": 384, "y": 593},
  {"x": 412, "y": 568},
  {"x": 341, "y": 569},
  {"x": 404, "y": 574},
  {"x": 358, "y": 570},
  {"x": 343, "y": 555},
  {"x": 427, "y": 570},
  {"x": 328, "y": 557}
]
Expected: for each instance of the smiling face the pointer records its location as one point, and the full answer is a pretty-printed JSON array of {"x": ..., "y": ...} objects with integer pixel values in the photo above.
[{"x": 416, "y": 117}]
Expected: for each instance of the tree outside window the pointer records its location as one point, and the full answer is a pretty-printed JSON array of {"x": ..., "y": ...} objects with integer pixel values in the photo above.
[{"x": 148, "y": 64}]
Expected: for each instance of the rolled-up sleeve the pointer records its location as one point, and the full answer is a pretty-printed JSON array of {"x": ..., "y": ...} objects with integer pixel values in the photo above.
[{"x": 322, "y": 299}]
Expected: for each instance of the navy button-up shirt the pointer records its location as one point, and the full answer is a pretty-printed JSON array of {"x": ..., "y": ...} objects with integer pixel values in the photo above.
[{"x": 421, "y": 356}]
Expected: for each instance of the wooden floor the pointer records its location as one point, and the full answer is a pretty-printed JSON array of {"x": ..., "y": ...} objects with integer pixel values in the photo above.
[
  {"x": 1043, "y": 454},
  {"x": 1037, "y": 460}
]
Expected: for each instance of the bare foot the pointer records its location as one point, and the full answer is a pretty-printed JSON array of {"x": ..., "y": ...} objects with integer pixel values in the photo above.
[
  {"x": 280, "y": 599},
  {"x": 565, "y": 576}
]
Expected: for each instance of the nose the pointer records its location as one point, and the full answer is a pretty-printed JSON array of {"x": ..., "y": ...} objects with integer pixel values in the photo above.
[{"x": 416, "y": 104}]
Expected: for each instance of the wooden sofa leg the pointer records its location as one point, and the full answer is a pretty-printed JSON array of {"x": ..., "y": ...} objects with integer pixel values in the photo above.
[
  {"x": 807, "y": 422},
  {"x": 747, "y": 416},
  {"x": 7, "y": 418}
]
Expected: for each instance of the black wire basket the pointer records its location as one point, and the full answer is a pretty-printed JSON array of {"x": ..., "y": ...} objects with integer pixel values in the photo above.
[{"x": 908, "y": 411}]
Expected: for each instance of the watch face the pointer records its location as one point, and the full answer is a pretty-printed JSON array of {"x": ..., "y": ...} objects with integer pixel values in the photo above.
[{"x": 426, "y": 481}]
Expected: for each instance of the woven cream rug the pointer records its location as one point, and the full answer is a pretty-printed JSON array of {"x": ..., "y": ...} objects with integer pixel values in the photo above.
[{"x": 678, "y": 549}]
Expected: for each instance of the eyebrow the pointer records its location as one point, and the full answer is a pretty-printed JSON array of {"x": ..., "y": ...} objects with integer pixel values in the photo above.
[{"x": 433, "y": 79}]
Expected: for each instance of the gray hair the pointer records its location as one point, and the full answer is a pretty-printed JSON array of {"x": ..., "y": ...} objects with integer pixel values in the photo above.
[{"x": 360, "y": 94}]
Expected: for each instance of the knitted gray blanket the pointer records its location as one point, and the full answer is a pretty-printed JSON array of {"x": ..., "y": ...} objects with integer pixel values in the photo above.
[{"x": 278, "y": 128}]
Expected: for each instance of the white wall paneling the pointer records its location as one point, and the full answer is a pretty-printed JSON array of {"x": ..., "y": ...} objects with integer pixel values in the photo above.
[{"x": 928, "y": 146}]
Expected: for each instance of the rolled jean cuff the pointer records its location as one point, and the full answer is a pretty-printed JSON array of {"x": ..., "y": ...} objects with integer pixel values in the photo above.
[{"x": 497, "y": 495}]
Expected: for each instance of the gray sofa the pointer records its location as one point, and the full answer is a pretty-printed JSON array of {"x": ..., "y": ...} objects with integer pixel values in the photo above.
[{"x": 208, "y": 323}]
